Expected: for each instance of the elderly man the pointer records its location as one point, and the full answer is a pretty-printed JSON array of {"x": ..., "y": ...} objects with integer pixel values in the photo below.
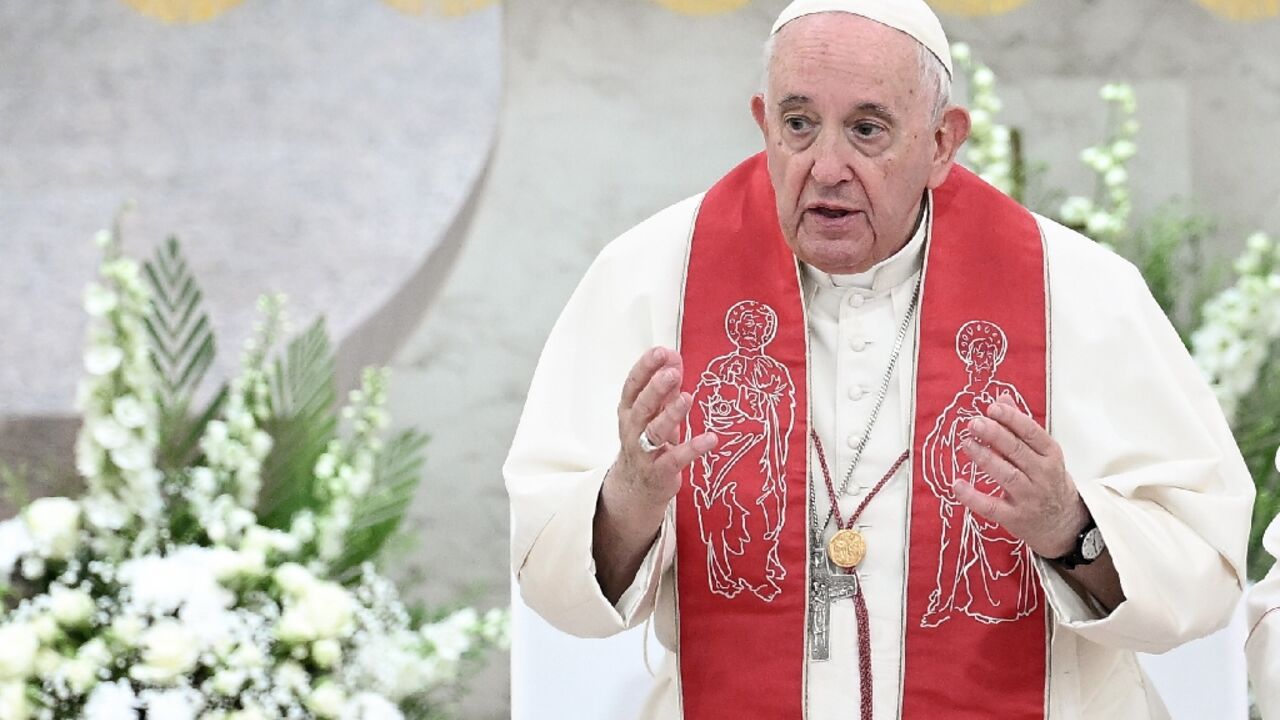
[
  {"x": 1263, "y": 644},
  {"x": 838, "y": 497}
]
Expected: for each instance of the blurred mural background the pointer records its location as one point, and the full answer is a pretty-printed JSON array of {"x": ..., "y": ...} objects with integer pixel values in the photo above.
[{"x": 435, "y": 176}]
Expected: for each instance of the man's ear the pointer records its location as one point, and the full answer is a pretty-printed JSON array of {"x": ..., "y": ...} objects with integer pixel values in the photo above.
[
  {"x": 950, "y": 135},
  {"x": 757, "y": 112}
]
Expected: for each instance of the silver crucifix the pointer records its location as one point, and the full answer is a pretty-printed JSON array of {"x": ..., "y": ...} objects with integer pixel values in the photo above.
[{"x": 825, "y": 588}]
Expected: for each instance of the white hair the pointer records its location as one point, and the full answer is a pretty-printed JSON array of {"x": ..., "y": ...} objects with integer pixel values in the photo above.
[{"x": 934, "y": 78}]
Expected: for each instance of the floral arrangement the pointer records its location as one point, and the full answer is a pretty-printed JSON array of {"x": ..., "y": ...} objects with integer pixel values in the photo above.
[
  {"x": 1232, "y": 332},
  {"x": 220, "y": 564}
]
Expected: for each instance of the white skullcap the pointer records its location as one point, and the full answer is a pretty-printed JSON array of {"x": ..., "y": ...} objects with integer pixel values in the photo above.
[{"x": 912, "y": 17}]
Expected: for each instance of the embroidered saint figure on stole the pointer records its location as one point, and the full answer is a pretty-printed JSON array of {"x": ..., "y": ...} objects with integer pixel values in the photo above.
[{"x": 748, "y": 399}]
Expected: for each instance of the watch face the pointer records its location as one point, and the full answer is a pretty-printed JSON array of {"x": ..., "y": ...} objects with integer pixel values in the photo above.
[{"x": 1092, "y": 546}]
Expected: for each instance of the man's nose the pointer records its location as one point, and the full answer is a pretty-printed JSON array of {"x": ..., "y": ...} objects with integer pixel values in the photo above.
[{"x": 831, "y": 159}]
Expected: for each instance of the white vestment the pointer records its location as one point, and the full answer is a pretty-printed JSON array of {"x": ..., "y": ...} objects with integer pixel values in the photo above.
[
  {"x": 1143, "y": 437},
  {"x": 1263, "y": 645}
]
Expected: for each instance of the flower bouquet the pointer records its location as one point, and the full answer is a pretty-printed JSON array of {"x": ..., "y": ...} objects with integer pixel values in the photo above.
[{"x": 219, "y": 565}]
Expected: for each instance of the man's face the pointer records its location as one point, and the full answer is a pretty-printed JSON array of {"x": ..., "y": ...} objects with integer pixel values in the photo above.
[{"x": 851, "y": 139}]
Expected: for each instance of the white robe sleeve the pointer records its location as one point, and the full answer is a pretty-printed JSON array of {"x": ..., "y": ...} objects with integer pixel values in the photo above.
[
  {"x": 1263, "y": 643},
  {"x": 567, "y": 437},
  {"x": 1151, "y": 454}
]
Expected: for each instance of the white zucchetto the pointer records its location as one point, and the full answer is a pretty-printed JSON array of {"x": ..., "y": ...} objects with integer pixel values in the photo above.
[{"x": 913, "y": 17}]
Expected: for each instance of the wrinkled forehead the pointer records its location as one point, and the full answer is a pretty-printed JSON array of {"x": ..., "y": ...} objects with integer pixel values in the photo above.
[{"x": 830, "y": 38}]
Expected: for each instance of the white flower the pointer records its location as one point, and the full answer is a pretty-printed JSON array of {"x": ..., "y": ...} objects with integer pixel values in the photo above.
[
  {"x": 327, "y": 700},
  {"x": 983, "y": 78},
  {"x": 13, "y": 701},
  {"x": 185, "y": 575},
  {"x": 1258, "y": 243},
  {"x": 369, "y": 706},
  {"x": 106, "y": 512},
  {"x": 112, "y": 701},
  {"x": 129, "y": 411},
  {"x": 1099, "y": 223},
  {"x": 265, "y": 540},
  {"x": 169, "y": 650},
  {"x": 18, "y": 646},
  {"x": 127, "y": 629},
  {"x": 180, "y": 704},
  {"x": 99, "y": 301},
  {"x": 292, "y": 676},
  {"x": 1124, "y": 149},
  {"x": 133, "y": 456},
  {"x": 322, "y": 610},
  {"x": 108, "y": 433},
  {"x": 326, "y": 652},
  {"x": 79, "y": 674},
  {"x": 229, "y": 682},
  {"x": 15, "y": 541},
  {"x": 33, "y": 567},
  {"x": 1278, "y": 459},
  {"x": 71, "y": 608},
  {"x": 1076, "y": 209},
  {"x": 1116, "y": 176},
  {"x": 46, "y": 628},
  {"x": 252, "y": 712},
  {"x": 54, "y": 524},
  {"x": 102, "y": 359},
  {"x": 293, "y": 578},
  {"x": 325, "y": 466},
  {"x": 451, "y": 637}
]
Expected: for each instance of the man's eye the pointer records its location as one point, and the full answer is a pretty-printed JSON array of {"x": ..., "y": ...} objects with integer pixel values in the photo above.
[
  {"x": 796, "y": 124},
  {"x": 866, "y": 130}
]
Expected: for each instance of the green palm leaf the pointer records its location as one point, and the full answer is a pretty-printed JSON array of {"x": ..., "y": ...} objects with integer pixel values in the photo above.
[
  {"x": 303, "y": 397},
  {"x": 182, "y": 349},
  {"x": 396, "y": 473}
]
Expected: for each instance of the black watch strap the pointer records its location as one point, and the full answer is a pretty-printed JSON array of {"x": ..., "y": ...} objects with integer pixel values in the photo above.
[{"x": 1078, "y": 555}]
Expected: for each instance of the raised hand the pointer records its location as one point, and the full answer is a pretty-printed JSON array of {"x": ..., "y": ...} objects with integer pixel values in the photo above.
[
  {"x": 1040, "y": 504},
  {"x": 642, "y": 482}
]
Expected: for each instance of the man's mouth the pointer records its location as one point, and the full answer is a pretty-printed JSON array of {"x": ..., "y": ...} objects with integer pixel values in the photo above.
[{"x": 832, "y": 212}]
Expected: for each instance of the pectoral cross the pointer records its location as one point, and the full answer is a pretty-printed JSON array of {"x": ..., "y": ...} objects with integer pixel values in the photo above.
[{"x": 824, "y": 589}]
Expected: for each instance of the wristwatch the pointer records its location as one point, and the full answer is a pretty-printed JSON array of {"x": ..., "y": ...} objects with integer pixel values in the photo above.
[{"x": 1089, "y": 546}]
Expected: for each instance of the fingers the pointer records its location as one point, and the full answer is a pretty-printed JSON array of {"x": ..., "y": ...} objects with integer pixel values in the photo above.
[
  {"x": 642, "y": 372},
  {"x": 998, "y": 469},
  {"x": 666, "y": 426},
  {"x": 663, "y": 388},
  {"x": 993, "y": 508},
  {"x": 678, "y": 457},
  {"x": 1008, "y": 446},
  {"x": 1008, "y": 414}
]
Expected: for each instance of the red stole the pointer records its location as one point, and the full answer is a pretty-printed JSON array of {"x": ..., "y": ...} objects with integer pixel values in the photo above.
[{"x": 976, "y": 641}]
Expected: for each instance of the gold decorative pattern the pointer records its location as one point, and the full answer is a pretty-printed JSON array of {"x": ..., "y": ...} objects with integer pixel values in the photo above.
[
  {"x": 702, "y": 7},
  {"x": 976, "y": 7},
  {"x": 847, "y": 548},
  {"x": 448, "y": 8},
  {"x": 1243, "y": 10},
  {"x": 182, "y": 11}
]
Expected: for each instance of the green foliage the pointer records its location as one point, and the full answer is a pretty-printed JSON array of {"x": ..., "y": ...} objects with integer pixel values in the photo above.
[
  {"x": 304, "y": 420},
  {"x": 182, "y": 349},
  {"x": 378, "y": 514},
  {"x": 1257, "y": 428},
  {"x": 1168, "y": 249}
]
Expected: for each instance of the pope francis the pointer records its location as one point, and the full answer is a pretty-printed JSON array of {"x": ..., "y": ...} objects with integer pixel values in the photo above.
[{"x": 865, "y": 437}]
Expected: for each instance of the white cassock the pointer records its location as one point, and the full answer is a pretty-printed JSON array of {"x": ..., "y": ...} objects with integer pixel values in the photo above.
[
  {"x": 1143, "y": 437},
  {"x": 1263, "y": 645}
]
